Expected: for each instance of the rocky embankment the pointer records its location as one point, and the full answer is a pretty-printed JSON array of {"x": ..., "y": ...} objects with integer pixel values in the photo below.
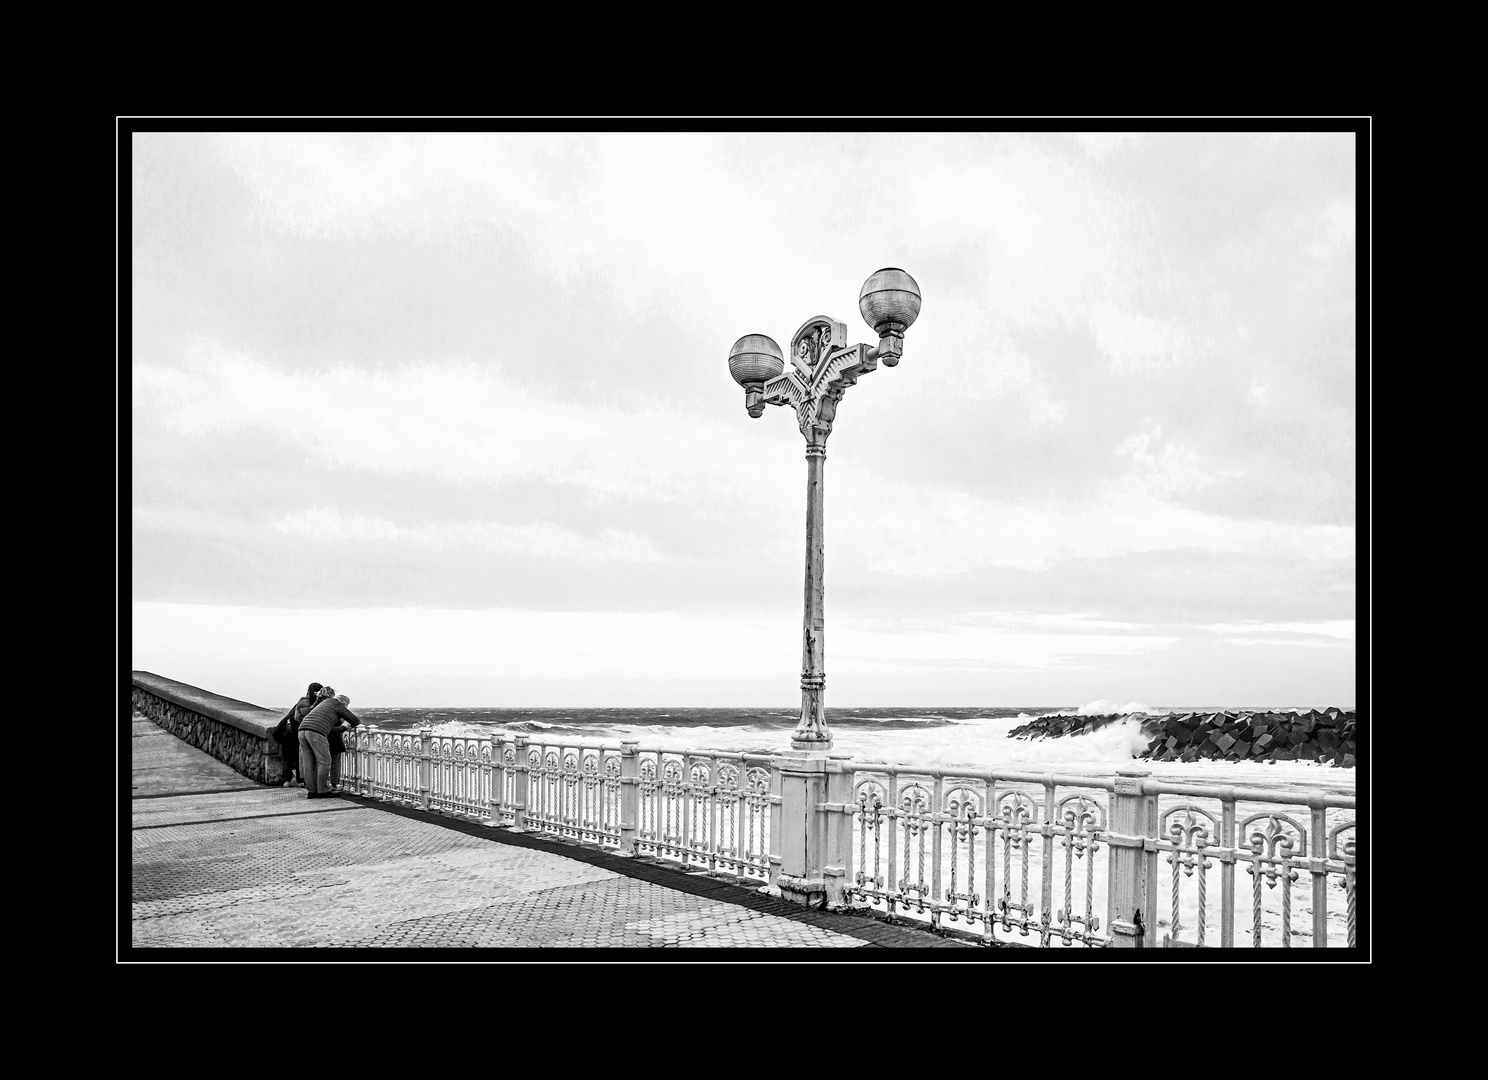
[{"x": 1325, "y": 735}]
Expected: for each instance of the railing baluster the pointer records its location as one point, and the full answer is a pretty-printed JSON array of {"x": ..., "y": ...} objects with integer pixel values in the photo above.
[
  {"x": 713, "y": 825},
  {"x": 937, "y": 807},
  {"x": 891, "y": 885},
  {"x": 989, "y": 853},
  {"x": 1350, "y": 889},
  {"x": 1046, "y": 892}
]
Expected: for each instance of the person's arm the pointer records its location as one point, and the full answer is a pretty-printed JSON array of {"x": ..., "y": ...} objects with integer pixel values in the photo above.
[{"x": 342, "y": 710}]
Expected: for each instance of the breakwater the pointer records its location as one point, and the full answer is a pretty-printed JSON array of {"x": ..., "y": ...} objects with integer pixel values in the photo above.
[{"x": 1326, "y": 735}]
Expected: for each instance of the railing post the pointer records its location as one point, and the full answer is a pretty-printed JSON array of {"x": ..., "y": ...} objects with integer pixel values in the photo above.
[
  {"x": 1133, "y": 840},
  {"x": 1046, "y": 887},
  {"x": 351, "y": 761},
  {"x": 1317, "y": 849},
  {"x": 769, "y": 838},
  {"x": 685, "y": 823},
  {"x": 519, "y": 787},
  {"x": 490, "y": 770},
  {"x": 630, "y": 796},
  {"x": 798, "y": 835},
  {"x": 426, "y": 767},
  {"x": 937, "y": 806},
  {"x": 362, "y": 744},
  {"x": 837, "y": 858}
]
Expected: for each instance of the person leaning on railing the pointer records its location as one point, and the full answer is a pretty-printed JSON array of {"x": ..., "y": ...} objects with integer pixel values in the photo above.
[
  {"x": 315, "y": 747},
  {"x": 338, "y": 745},
  {"x": 287, "y": 733}
]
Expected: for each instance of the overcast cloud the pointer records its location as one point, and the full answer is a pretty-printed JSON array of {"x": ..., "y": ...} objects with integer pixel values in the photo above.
[{"x": 446, "y": 419}]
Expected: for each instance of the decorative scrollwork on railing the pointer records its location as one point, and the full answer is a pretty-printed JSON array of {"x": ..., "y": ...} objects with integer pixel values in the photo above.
[
  {"x": 590, "y": 808},
  {"x": 870, "y": 801},
  {"x": 1273, "y": 847},
  {"x": 1079, "y": 822},
  {"x": 757, "y": 815},
  {"x": 730, "y": 825},
  {"x": 696, "y": 825},
  {"x": 1189, "y": 830},
  {"x": 669, "y": 804},
  {"x": 964, "y": 807},
  {"x": 1018, "y": 815},
  {"x": 1343, "y": 850},
  {"x": 918, "y": 818}
]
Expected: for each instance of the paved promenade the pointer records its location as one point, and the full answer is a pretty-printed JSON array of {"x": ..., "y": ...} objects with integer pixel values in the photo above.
[{"x": 222, "y": 862}]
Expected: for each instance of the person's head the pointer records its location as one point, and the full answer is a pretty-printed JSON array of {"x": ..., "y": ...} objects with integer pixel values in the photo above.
[
  {"x": 314, "y": 691},
  {"x": 326, "y": 692},
  {"x": 343, "y": 699}
]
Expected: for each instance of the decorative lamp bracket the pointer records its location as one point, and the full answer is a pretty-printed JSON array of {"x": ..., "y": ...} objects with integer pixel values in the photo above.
[{"x": 825, "y": 365}]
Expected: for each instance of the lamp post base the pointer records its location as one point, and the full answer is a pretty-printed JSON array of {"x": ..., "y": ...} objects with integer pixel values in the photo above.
[
  {"x": 811, "y": 731},
  {"x": 807, "y": 744}
]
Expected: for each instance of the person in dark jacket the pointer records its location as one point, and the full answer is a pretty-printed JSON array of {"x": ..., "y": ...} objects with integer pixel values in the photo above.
[
  {"x": 315, "y": 747},
  {"x": 287, "y": 733}
]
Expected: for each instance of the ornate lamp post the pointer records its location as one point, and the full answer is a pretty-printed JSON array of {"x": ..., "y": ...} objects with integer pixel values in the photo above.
[{"x": 825, "y": 365}]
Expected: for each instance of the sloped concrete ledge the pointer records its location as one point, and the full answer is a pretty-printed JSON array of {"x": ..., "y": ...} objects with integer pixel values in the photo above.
[{"x": 234, "y": 732}]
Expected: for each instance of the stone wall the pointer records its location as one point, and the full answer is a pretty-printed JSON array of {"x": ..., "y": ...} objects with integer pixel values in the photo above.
[{"x": 234, "y": 732}]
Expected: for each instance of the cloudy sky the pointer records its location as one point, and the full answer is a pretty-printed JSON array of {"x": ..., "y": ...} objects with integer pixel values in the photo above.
[{"x": 447, "y": 420}]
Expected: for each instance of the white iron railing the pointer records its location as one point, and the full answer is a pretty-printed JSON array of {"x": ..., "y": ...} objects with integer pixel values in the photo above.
[
  {"x": 1016, "y": 856},
  {"x": 1003, "y": 857},
  {"x": 705, "y": 811},
  {"x": 708, "y": 811}
]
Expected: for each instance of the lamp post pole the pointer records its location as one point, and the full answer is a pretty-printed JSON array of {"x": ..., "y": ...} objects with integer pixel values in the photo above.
[{"x": 824, "y": 366}]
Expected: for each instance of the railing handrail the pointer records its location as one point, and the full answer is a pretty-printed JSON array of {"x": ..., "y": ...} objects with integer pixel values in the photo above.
[
  {"x": 1224, "y": 792},
  {"x": 570, "y": 744}
]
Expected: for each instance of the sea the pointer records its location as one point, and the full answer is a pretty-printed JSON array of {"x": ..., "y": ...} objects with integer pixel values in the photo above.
[{"x": 967, "y": 737}]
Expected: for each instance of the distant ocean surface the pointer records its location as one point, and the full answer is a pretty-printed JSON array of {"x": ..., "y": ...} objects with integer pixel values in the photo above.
[{"x": 975, "y": 738}]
